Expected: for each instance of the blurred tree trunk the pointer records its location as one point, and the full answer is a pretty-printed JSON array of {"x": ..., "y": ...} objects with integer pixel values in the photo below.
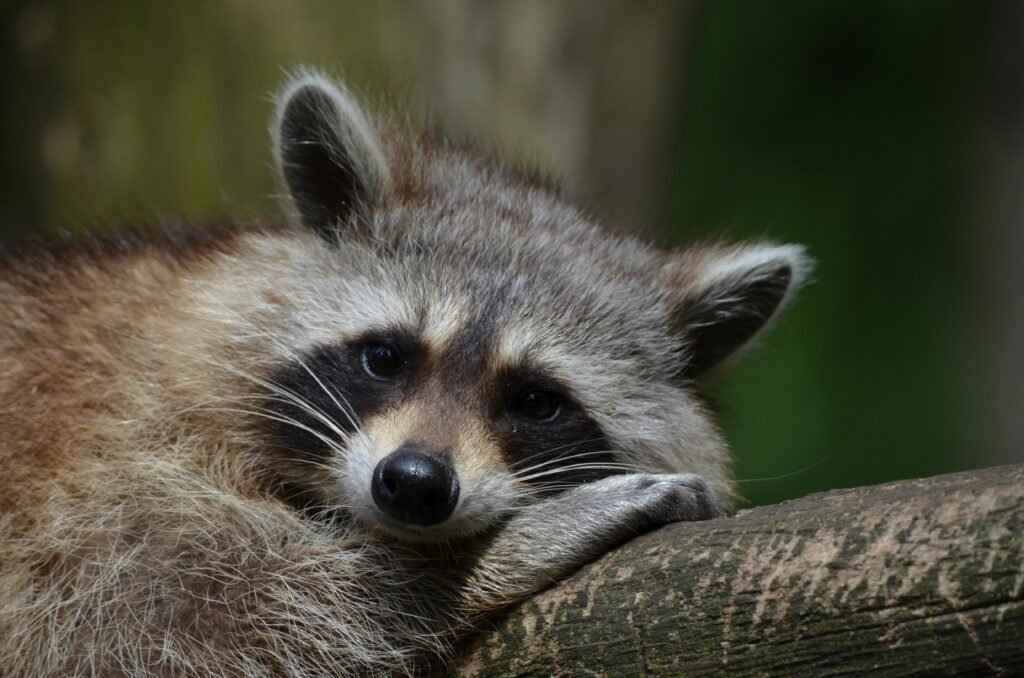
[
  {"x": 583, "y": 88},
  {"x": 998, "y": 239}
]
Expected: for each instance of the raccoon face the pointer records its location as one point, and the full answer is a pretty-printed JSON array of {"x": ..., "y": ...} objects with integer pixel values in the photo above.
[
  {"x": 467, "y": 341},
  {"x": 432, "y": 439}
]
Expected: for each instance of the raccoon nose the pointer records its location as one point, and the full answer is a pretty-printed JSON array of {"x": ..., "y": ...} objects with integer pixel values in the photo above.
[{"x": 415, "y": 488}]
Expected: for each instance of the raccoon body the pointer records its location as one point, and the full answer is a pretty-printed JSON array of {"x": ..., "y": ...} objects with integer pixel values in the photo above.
[{"x": 331, "y": 446}]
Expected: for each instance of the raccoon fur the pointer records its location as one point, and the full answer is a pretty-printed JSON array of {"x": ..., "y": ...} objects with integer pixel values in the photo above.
[{"x": 332, "y": 446}]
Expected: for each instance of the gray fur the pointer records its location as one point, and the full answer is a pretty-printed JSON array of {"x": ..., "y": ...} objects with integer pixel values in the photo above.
[{"x": 151, "y": 533}]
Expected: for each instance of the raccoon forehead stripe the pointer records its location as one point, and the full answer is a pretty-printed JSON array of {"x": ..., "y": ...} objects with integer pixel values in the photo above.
[
  {"x": 526, "y": 345},
  {"x": 520, "y": 341},
  {"x": 443, "y": 321}
]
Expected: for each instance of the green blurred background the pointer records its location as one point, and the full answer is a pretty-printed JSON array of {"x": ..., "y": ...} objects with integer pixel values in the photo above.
[{"x": 886, "y": 136}]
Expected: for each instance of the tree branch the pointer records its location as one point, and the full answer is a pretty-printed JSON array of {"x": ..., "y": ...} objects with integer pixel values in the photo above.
[{"x": 900, "y": 578}]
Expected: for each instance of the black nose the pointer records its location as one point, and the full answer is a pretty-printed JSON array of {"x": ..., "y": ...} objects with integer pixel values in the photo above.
[{"x": 415, "y": 488}]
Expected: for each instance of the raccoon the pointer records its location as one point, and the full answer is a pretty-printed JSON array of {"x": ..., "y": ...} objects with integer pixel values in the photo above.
[{"x": 332, "y": 446}]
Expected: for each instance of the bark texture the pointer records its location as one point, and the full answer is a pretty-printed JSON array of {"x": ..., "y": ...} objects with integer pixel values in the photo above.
[{"x": 909, "y": 577}]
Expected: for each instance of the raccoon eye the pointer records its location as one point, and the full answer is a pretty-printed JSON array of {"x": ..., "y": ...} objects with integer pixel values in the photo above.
[
  {"x": 382, "y": 361},
  {"x": 538, "y": 405}
]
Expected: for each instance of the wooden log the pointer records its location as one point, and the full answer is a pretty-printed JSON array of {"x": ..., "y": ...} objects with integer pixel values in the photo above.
[{"x": 909, "y": 577}]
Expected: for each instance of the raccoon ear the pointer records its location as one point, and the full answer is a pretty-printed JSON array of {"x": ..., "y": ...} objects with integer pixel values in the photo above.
[
  {"x": 327, "y": 152},
  {"x": 724, "y": 297}
]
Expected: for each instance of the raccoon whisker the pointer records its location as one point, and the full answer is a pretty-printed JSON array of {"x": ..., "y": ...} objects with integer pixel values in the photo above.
[
  {"x": 571, "y": 446},
  {"x": 332, "y": 444},
  {"x": 334, "y": 395},
  {"x": 290, "y": 399},
  {"x": 299, "y": 401},
  {"x": 784, "y": 476},
  {"x": 566, "y": 470},
  {"x": 574, "y": 443},
  {"x": 346, "y": 409},
  {"x": 343, "y": 405},
  {"x": 559, "y": 459},
  {"x": 259, "y": 381},
  {"x": 570, "y": 453},
  {"x": 315, "y": 412},
  {"x": 269, "y": 385},
  {"x": 544, "y": 490},
  {"x": 575, "y": 466},
  {"x": 288, "y": 395}
]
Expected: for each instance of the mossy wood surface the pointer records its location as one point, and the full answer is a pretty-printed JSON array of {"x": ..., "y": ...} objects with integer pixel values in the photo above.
[{"x": 904, "y": 578}]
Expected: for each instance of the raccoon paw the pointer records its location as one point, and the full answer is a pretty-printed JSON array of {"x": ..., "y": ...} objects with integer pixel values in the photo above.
[
  {"x": 650, "y": 500},
  {"x": 679, "y": 497},
  {"x": 558, "y": 534}
]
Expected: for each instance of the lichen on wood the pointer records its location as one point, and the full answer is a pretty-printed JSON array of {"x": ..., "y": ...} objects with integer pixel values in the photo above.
[{"x": 907, "y": 577}]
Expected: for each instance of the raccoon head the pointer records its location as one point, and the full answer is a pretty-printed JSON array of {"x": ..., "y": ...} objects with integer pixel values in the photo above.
[{"x": 466, "y": 340}]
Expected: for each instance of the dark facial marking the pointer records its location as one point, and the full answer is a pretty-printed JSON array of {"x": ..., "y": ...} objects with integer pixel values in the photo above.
[
  {"x": 540, "y": 425},
  {"x": 344, "y": 383},
  {"x": 535, "y": 419}
]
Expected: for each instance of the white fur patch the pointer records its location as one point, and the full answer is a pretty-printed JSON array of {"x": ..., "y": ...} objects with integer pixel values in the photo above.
[{"x": 744, "y": 262}]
